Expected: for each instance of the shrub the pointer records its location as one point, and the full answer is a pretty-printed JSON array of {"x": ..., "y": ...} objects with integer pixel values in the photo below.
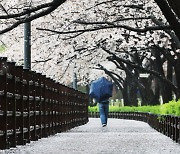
[{"x": 171, "y": 108}]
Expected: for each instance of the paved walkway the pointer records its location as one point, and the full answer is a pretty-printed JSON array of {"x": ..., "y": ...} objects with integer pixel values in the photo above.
[{"x": 119, "y": 137}]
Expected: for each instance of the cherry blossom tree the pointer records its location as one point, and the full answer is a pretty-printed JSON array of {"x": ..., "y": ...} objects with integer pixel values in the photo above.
[
  {"x": 131, "y": 37},
  {"x": 147, "y": 24}
]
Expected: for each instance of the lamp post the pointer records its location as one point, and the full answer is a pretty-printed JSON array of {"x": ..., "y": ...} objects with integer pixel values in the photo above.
[
  {"x": 74, "y": 84},
  {"x": 27, "y": 45},
  {"x": 74, "y": 80}
]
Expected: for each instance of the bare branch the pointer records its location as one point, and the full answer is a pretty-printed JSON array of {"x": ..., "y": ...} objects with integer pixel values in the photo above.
[
  {"x": 133, "y": 65},
  {"x": 26, "y": 11},
  {"x": 135, "y": 6},
  {"x": 3, "y": 9},
  {"x": 42, "y": 61},
  {"x": 105, "y": 2},
  {"x": 141, "y": 30},
  {"x": 54, "y": 5}
]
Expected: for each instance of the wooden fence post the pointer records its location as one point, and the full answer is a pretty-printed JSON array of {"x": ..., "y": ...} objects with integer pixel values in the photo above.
[
  {"x": 43, "y": 112},
  {"x": 47, "y": 106},
  {"x": 3, "y": 105},
  {"x": 32, "y": 106},
  {"x": 11, "y": 106},
  {"x": 19, "y": 105},
  {"x": 56, "y": 107},
  {"x": 173, "y": 124},
  {"x": 178, "y": 130},
  {"x": 25, "y": 96},
  {"x": 60, "y": 108},
  {"x": 38, "y": 105}
]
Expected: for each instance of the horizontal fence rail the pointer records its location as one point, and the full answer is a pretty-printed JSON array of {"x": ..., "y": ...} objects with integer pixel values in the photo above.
[
  {"x": 33, "y": 106},
  {"x": 167, "y": 124}
]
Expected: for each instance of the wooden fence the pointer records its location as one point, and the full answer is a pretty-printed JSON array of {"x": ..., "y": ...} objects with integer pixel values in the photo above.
[
  {"x": 166, "y": 124},
  {"x": 33, "y": 106}
]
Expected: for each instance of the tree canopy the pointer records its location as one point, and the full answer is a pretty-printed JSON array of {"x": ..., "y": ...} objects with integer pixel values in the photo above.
[{"x": 123, "y": 39}]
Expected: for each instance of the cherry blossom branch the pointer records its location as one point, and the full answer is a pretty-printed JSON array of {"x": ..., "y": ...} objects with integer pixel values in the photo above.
[{"x": 50, "y": 7}]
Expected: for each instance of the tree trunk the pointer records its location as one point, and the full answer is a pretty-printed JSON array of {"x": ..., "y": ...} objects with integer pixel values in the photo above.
[
  {"x": 155, "y": 98},
  {"x": 169, "y": 15},
  {"x": 133, "y": 95},
  {"x": 175, "y": 5},
  {"x": 177, "y": 74},
  {"x": 125, "y": 93},
  {"x": 147, "y": 93},
  {"x": 167, "y": 92}
]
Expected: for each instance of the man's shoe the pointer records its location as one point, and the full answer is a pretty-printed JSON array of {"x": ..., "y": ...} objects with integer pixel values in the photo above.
[{"x": 104, "y": 125}]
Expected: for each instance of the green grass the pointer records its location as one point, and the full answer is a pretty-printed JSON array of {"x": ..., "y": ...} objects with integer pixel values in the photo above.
[{"x": 171, "y": 108}]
